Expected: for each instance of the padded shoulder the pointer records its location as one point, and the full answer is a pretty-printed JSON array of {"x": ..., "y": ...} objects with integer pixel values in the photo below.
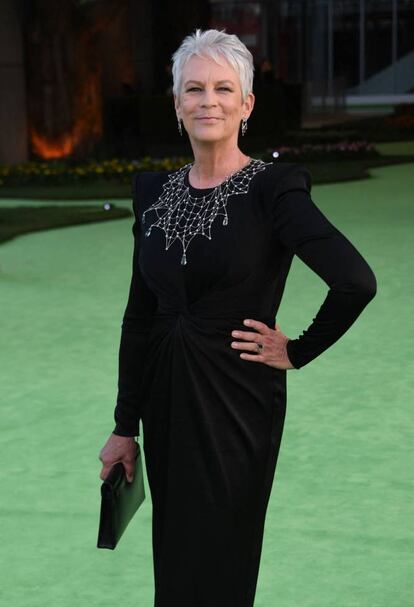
[{"x": 290, "y": 177}]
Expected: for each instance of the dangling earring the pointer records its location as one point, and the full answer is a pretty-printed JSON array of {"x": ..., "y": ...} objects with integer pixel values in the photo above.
[
  {"x": 179, "y": 126},
  {"x": 244, "y": 126}
]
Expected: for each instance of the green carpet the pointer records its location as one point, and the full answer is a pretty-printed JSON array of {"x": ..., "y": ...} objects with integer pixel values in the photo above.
[{"x": 339, "y": 527}]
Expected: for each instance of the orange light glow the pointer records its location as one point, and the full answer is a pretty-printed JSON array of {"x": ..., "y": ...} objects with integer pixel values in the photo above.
[
  {"x": 87, "y": 105},
  {"x": 87, "y": 125},
  {"x": 49, "y": 149}
]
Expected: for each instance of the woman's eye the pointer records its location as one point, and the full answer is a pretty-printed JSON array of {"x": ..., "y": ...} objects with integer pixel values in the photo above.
[{"x": 197, "y": 88}]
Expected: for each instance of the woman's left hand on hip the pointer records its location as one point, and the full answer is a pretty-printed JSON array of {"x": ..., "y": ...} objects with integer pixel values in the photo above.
[{"x": 273, "y": 344}]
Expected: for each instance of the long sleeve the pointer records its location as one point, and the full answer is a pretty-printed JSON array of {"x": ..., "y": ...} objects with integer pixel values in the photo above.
[
  {"x": 303, "y": 229},
  {"x": 136, "y": 325}
]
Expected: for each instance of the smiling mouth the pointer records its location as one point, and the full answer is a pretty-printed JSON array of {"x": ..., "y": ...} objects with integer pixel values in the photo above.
[{"x": 208, "y": 118}]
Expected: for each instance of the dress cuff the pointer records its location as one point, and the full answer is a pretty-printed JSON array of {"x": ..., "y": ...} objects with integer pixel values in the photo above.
[
  {"x": 294, "y": 359},
  {"x": 119, "y": 430}
]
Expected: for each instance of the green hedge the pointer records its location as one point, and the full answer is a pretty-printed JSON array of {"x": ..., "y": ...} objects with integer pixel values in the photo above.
[{"x": 117, "y": 170}]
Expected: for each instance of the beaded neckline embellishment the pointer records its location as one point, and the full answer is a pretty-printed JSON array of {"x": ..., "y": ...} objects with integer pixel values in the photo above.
[{"x": 183, "y": 216}]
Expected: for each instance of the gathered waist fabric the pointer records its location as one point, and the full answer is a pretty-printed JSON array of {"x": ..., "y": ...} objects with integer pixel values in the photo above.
[
  {"x": 203, "y": 318},
  {"x": 204, "y": 340}
]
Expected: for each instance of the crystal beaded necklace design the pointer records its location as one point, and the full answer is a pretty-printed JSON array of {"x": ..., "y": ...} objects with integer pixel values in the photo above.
[{"x": 183, "y": 216}]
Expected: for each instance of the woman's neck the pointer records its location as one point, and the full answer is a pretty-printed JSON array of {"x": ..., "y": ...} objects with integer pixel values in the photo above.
[{"x": 212, "y": 167}]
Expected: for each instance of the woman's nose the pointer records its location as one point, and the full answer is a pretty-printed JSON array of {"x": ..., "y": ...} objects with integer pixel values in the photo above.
[{"x": 208, "y": 98}]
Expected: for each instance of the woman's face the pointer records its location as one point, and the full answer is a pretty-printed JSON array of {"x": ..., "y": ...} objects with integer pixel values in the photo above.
[{"x": 210, "y": 104}]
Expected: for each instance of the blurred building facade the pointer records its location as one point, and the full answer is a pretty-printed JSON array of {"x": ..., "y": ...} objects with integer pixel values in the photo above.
[
  {"x": 346, "y": 53},
  {"x": 79, "y": 75}
]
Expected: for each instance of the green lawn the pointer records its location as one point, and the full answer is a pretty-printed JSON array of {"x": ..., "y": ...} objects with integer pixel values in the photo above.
[
  {"x": 18, "y": 220},
  {"x": 339, "y": 527}
]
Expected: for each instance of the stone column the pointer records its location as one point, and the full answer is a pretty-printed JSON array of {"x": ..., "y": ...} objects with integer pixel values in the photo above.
[{"x": 13, "y": 118}]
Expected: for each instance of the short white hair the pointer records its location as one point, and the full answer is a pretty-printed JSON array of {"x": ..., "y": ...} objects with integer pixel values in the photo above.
[{"x": 217, "y": 45}]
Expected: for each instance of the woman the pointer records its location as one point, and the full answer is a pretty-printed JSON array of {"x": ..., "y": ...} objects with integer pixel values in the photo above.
[{"x": 201, "y": 361}]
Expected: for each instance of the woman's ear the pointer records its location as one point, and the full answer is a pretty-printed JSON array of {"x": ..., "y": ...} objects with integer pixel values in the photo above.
[
  {"x": 249, "y": 103},
  {"x": 176, "y": 104}
]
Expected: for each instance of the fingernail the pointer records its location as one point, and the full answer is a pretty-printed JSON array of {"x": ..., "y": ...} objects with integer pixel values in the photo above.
[{"x": 246, "y": 322}]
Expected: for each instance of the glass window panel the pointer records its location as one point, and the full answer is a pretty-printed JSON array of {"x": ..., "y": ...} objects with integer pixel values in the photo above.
[
  {"x": 290, "y": 41},
  {"x": 405, "y": 27},
  {"x": 346, "y": 41},
  {"x": 245, "y": 19},
  {"x": 378, "y": 36},
  {"x": 316, "y": 41}
]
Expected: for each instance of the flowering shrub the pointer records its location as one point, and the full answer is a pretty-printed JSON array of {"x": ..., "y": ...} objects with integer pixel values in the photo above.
[
  {"x": 60, "y": 172},
  {"x": 345, "y": 150},
  {"x": 65, "y": 173}
]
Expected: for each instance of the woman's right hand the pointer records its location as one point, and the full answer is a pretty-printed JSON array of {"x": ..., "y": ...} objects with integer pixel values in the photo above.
[{"x": 118, "y": 449}]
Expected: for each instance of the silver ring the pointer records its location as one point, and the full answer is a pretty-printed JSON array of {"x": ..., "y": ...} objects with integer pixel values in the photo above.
[{"x": 259, "y": 347}]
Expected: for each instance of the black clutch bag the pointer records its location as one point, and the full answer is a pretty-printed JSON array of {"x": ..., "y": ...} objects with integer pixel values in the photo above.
[{"x": 120, "y": 500}]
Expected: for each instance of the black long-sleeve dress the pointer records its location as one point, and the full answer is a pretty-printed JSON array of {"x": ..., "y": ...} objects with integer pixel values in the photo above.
[{"x": 212, "y": 421}]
